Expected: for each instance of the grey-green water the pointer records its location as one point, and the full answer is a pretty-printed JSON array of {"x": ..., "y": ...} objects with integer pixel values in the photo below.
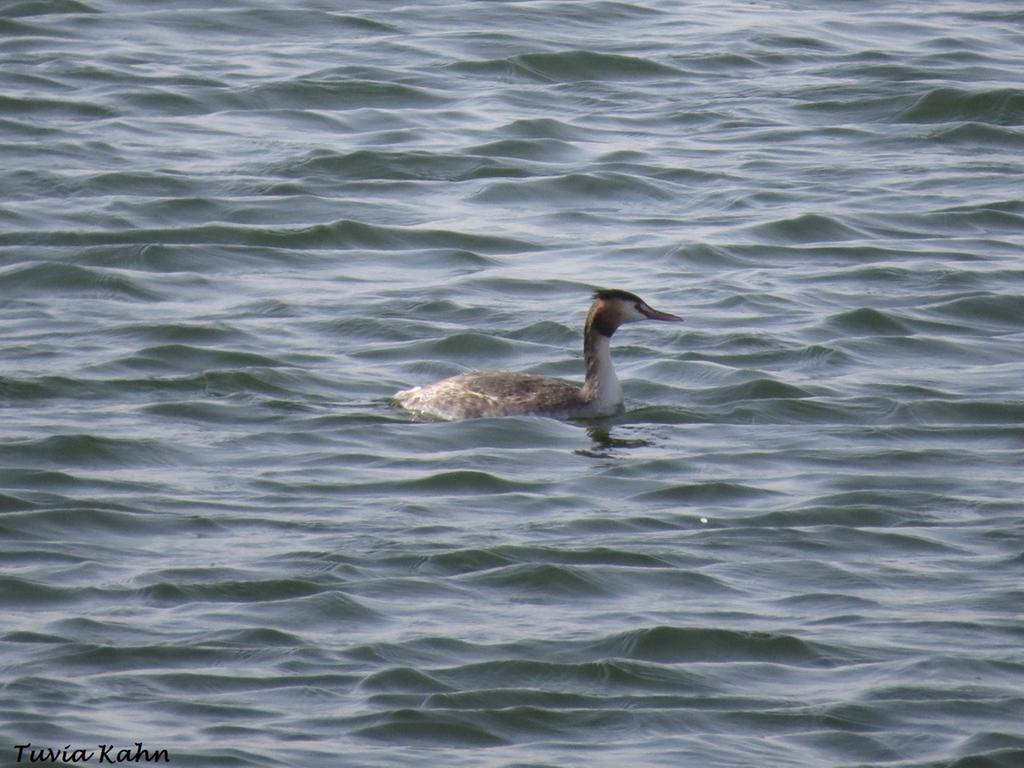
[{"x": 230, "y": 231}]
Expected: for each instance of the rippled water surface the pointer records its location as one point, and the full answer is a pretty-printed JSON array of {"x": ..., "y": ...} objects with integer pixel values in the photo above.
[{"x": 230, "y": 231}]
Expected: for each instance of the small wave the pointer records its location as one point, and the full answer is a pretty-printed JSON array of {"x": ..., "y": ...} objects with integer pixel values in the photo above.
[
  {"x": 343, "y": 94},
  {"x": 601, "y": 676},
  {"x": 591, "y": 556},
  {"x": 465, "y": 561},
  {"x": 177, "y": 592},
  {"x": 173, "y": 191},
  {"x": 777, "y": 41},
  {"x": 166, "y": 100},
  {"x": 1005, "y": 215},
  {"x": 980, "y": 133},
  {"x": 665, "y": 644},
  {"x": 343, "y": 233},
  {"x": 469, "y": 347},
  {"x": 720, "y": 63},
  {"x": 40, "y": 387},
  {"x": 429, "y": 728},
  {"x": 84, "y": 450},
  {"x": 73, "y": 521},
  {"x": 209, "y": 412},
  {"x": 757, "y": 389},
  {"x": 41, "y": 108},
  {"x": 464, "y": 481},
  {"x": 544, "y": 579},
  {"x": 10, "y": 502},
  {"x": 55, "y": 277},
  {"x": 544, "y": 128},
  {"x": 705, "y": 493},
  {"x": 267, "y": 382},
  {"x": 19, "y": 592},
  {"x": 808, "y": 228},
  {"x": 851, "y": 510},
  {"x": 299, "y": 22},
  {"x": 403, "y": 679},
  {"x": 177, "y": 333},
  {"x": 832, "y": 602},
  {"x": 479, "y": 560},
  {"x": 184, "y": 263},
  {"x": 867, "y": 321},
  {"x": 612, "y": 188},
  {"x": 570, "y": 66},
  {"x": 881, "y": 508},
  {"x": 810, "y": 357},
  {"x": 353, "y": 234},
  {"x": 537, "y": 150},
  {"x": 1000, "y": 749},
  {"x": 29, "y": 8},
  {"x": 102, "y": 658},
  {"x": 187, "y": 357},
  {"x": 998, "y": 106},
  {"x": 987, "y": 309},
  {"x": 280, "y": 604},
  {"x": 386, "y": 165},
  {"x": 706, "y": 255},
  {"x": 966, "y": 411}
]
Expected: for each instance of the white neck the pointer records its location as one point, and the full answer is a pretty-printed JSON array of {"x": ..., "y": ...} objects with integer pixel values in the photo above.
[{"x": 602, "y": 385}]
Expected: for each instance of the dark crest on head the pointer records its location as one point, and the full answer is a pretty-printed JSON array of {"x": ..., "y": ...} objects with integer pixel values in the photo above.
[{"x": 615, "y": 293}]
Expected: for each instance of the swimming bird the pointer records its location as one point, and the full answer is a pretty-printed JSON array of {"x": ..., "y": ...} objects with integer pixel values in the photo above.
[{"x": 503, "y": 393}]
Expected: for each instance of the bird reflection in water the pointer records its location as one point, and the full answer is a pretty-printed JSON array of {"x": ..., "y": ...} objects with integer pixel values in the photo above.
[{"x": 606, "y": 445}]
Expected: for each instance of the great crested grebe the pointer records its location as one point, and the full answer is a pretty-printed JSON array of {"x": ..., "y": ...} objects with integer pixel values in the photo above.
[{"x": 502, "y": 393}]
